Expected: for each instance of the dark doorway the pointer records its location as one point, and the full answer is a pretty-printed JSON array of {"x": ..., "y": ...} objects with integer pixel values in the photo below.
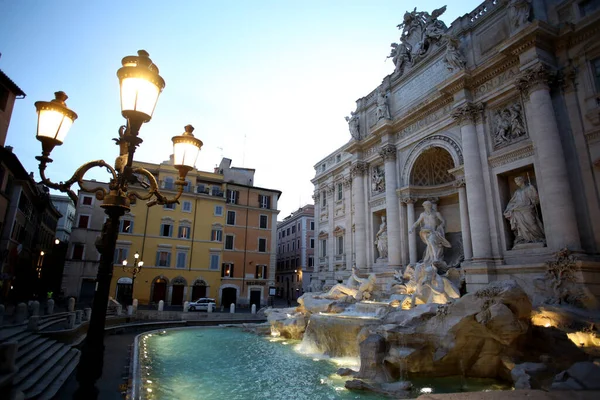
[
  {"x": 198, "y": 292},
  {"x": 86, "y": 294},
  {"x": 124, "y": 293},
  {"x": 177, "y": 296},
  {"x": 229, "y": 295},
  {"x": 160, "y": 290},
  {"x": 255, "y": 298}
]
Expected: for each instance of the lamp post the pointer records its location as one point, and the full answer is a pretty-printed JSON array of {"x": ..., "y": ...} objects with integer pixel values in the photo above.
[
  {"x": 133, "y": 270},
  {"x": 140, "y": 85}
]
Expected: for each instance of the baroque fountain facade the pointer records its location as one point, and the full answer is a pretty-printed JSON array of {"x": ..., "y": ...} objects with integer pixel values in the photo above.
[{"x": 460, "y": 221}]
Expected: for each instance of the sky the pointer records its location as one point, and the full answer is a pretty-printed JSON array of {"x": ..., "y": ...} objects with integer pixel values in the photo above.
[{"x": 265, "y": 83}]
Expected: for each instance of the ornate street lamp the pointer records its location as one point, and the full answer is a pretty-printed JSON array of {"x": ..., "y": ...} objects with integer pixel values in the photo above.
[
  {"x": 133, "y": 270},
  {"x": 140, "y": 87}
]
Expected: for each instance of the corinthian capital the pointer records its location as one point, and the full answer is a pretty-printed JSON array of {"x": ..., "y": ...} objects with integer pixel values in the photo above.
[
  {"x": 537, "y": 77},
  {"x": 388, "y": 152},
  {"x": 459, "y": 182},
  {"x": 347, "y": 181},
  {"x": 359, "y": 168},
  {"x": 467, "y": 113}
]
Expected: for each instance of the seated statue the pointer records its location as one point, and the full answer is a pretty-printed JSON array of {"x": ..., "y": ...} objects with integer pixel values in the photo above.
[
  {"x": 433, "y": 288},
  {"x": 358, "y": 288}
]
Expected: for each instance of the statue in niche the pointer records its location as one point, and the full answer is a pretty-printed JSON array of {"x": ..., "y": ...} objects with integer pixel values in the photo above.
[
  {"x": 378, "y": 180},
  {"x": 383, "y": 111},
  {"x": 432, "y": 234},
  {"x": 400, "y": 56},
  {"x": 454, "y": 59},
  {"x": 522, "y": 214},
  {"x": 509, "y": 125},
  {"x": 353, "y": 125},
  {"x": 518, "y": 11},
  {"x": 381, "y": 239},
  {"x": 358, "y": 288}
]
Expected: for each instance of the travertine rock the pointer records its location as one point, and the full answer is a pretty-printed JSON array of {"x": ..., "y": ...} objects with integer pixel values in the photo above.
[{"x": 581, "y": 376}]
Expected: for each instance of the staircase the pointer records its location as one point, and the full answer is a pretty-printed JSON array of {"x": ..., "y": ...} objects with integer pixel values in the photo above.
[{"x": 43, "y": 364}]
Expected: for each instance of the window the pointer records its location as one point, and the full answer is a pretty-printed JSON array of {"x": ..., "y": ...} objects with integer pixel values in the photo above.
[
  {"x": 216, "y": 191},
  {"x": 323, "y": 167},
  {"x": 87, "y": 201},
  {"x": 233, "y": 196},
  {"x": 227, "y": 270},
  {"x": 184, "y": 232},
  {"x": 293, "y": 263},
  {"x": 169, "y": 206},
  {"x": 311, "y": 261},
  {"x": 228, "y": 242},
  {"x": 288, "y": 231},
  {"x": 181, "y": 259},
  {"x": 283, "y": 233},
  {"x": 77, "y": 251},
  {"x": 263, "y": 221},
  {"x": 168, "y": 183},
  {"x": 323, "y": 198},
  {"x": 187, "y": 206},
  {"x": 312, "y": 225},
  {"x": 264, "y": 201},
  {"x": 596, "y": 72},
  {"x": 312, "y": 243},
  {"x": 288, "y": 247},
  {"x": 588, "y": 6},
  {"x": 120, "y": 255},
  {"x": 340, "y": 245},
  {"x": 230, "y": 217},
  {"x": 187, "y": 187},
  {"x": 338, "y": 158},
  {"x": 126, "y": 226},
  {"x": 298, "y": 244},
  {"x": 262, "y": 245},
  {"x": 294, "y": 229},
  {"x": 293, "y": 246},
  {"x": 216, "y": 235},
  {"x": 83, "y": 222},
  {"x": 163, "y": 258},
  {"x": 166, "y": 230},
  {"x": 261, "y": 272},
  {"x": 214, "y": 261},
  {"x": 339, "y": 191},
  {"x": 324, "y": 248},
  {"x": 201, "y": 188},
  {"x": 218, "y": 211},
  {"x": 298, "y": 227}
]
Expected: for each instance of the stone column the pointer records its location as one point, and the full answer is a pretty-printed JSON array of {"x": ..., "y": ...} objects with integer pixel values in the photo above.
[
  {"x": 560, "y": 224},
  {"x": 412, "y": 237},
  {"x": 317, "y": 253},
  {"x": 388, "y": 153},
  {"x": 403, "y": 234},
  {"x": 360, "y": 223},
  {"x": 465, "y": 228},
  {"x": 348, "y": 249},
  {"x": 331, "y": 247},
  {"x": 476, "y": 198}
]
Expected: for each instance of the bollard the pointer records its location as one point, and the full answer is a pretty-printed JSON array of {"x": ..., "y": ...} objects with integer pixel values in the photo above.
[
  {"x": 87, "y": 314},
  {"x": 210, "y": 307},
  {"x": 71, "y": 304},
  {"x": 32, "y": 323},
  {"x": 253, "y": 309},
  {"x": 232, "y": 308},
  {"x": 186, "y": 305},
  {"x": 135, "y": 305},
  {"x": 129, "y": 311},
  {"x": 70, "y": 320},
  {"x": 8, "y": 356},
  {"x": 118, "y": 309},
  {"x": 1, "y": 314},
  {"x": 161, "y": 305},
  {"x": 78, "y": 315},
  {"x": 35, "y": 308},
  {"x": 21, "y": 313},
  {"x": 50, "y": 306}
]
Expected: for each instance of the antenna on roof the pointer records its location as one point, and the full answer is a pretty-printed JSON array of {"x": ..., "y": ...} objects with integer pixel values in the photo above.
[{"x": 220, "y": 148}]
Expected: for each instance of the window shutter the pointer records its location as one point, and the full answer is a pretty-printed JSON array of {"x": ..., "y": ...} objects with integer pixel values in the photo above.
[
  {"x": 237, "y": 196},
  {"x": 115, "y": 259},
  {"x": 269, "y": 202},
  {"x": 231, "y": 271},
  {"x": 264, "y": 271},
  {"x": 157, "y": 258},
  {"x": 256, "y": 276},
  {"x": 168, "y": 259},
  {"x": 228, "y": 195},
  {"x": 222, "y": 270}
]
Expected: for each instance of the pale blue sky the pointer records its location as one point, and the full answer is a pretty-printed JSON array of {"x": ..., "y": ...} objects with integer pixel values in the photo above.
[{"x": 269, "y": 82}]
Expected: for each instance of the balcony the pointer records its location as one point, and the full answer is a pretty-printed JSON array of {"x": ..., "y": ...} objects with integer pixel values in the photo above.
[{"x": 340, "y": 258}]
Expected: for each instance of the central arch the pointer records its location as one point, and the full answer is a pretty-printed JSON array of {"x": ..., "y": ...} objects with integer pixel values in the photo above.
[{"x": 440, "y": 141}]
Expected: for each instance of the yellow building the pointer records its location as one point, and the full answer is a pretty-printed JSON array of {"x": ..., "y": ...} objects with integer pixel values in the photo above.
[{"x": 199, "y": 247}]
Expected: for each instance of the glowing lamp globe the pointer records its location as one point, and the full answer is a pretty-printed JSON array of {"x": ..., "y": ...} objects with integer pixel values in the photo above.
[
  {"x": 185, "y": 150},
  {"x": 54, "y": 121}
]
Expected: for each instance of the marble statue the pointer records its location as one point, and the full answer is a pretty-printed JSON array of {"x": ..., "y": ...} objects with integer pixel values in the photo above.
[
  {"x": 353, "y": 125},
  {"x": 522, "y": 214},
  {"x": 381, "y": 239},
  {"x": 518, "y": 11},
  {"x": 358, "y": 288},
  {"x": 432, "y": 234},
  {"x": 378, "y": 180},
  {"x": 400, "y": 57},
  {"x": 382, "y": 111},
  {"x": 454, "y": 59},
  {"x": 433, "y": 288}
]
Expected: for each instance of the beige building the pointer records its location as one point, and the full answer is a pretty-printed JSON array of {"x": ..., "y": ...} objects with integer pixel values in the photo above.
[{"x": 495, "y": 121}]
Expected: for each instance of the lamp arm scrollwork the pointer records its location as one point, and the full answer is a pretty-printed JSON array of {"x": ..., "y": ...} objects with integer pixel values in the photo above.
[
  {"x": 154, "y": 191},
  {"x": 78, "y": 178}
]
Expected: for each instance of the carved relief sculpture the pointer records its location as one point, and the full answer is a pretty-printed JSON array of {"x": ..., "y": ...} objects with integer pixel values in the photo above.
[
  {"x": 522, "y": 213},
  {"x": 383, "y": 111},
  {"x": 353, "y": 125},
  {"x": 381, "y": 239},
  {"x": 454, "y": 59},
  {"x": 378, "y": 180},
  {"x": 508, "y": 125},
  {"x": 432, "y": 233},
  {"x": 518, "y": 11}
]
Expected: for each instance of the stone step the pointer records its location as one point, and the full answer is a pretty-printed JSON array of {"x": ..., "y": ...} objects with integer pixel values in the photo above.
[
  {"x": 50, "y": 322},
  {"x": 7, "y": 333},
  {"x": 26, "y": 338},
  {"x": 26, "y": 358},
  {"x": 24, "y": 348},
  {"x": 55, "y": 386},
  {"x": 43, "y": 367},
  {"x": 42, "y": 385}
]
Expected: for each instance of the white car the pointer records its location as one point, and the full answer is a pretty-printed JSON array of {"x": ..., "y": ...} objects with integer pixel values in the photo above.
[{"x": 202, "y": 305}]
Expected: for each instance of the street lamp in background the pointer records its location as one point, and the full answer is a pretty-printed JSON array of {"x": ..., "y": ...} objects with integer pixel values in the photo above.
[
  {"x": 133, "y": 270},
  {"x": 140, "y": 85}
]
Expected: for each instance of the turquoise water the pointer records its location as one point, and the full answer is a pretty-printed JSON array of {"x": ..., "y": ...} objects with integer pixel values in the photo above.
[{"x": 229, "y": 364}]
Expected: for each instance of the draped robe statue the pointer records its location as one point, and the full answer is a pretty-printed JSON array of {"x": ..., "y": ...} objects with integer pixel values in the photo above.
[{"x": 522, "y": 214}]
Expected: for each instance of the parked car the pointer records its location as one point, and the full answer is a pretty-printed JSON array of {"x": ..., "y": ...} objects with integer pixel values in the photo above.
[{"x": 202, "y": 305}]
